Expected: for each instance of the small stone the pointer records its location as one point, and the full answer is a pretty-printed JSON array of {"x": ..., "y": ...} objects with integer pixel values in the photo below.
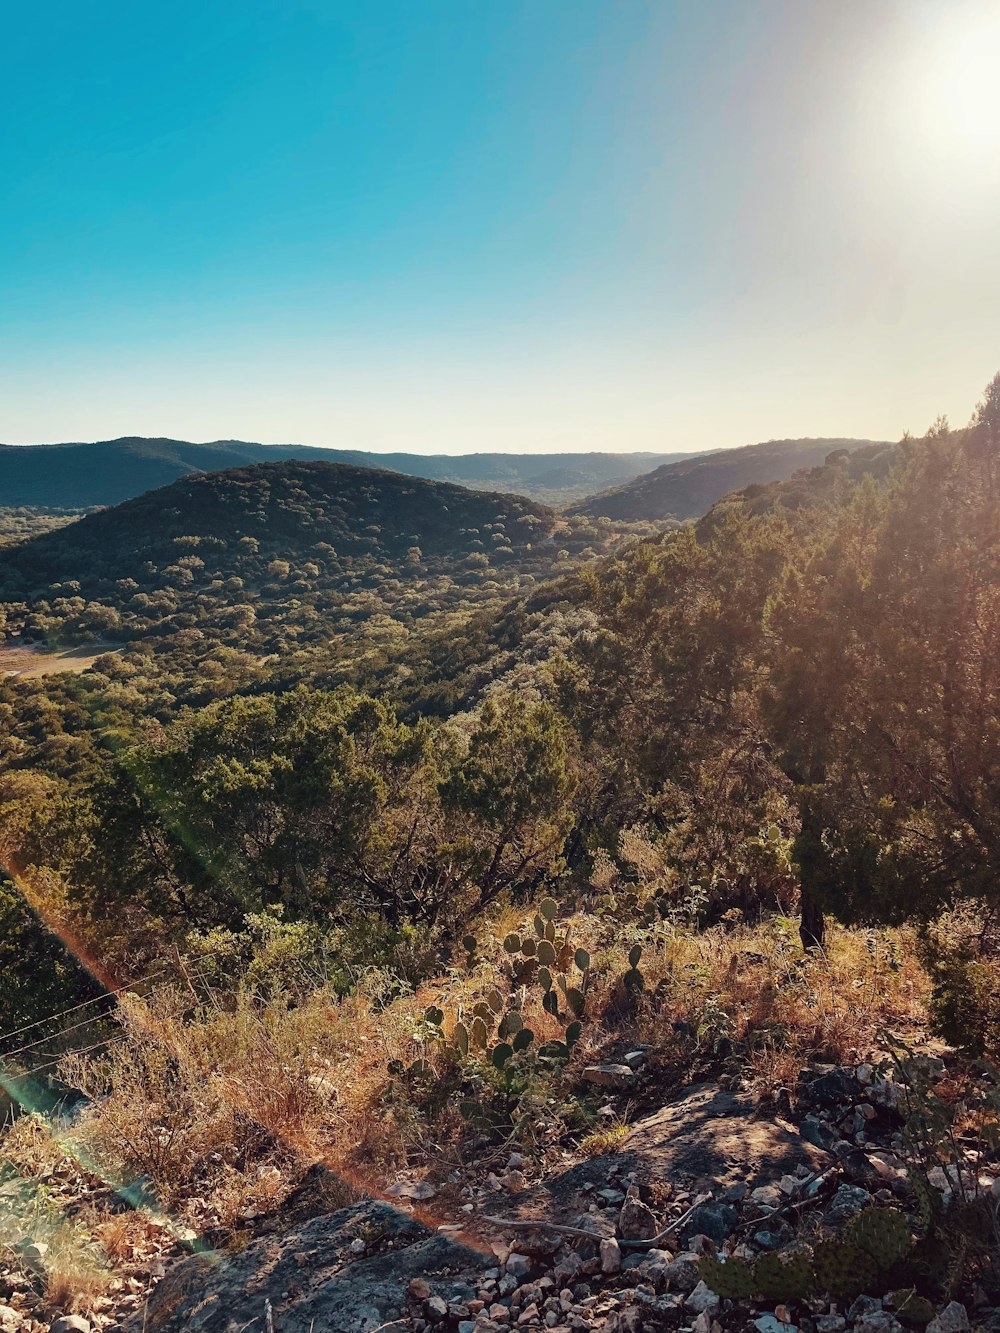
[
  {"x": 891, "y": 1096},
  {"x": 702, "y": 1298},
  {"x": 613, "y": 1198},
  {"x": 770, "y": 1323},
  {"x": 412, "y": 1189},
  {"x": 715, "y": 1220},
  {"x": 878, "y": 1321},
  {"x": 70, "y": 1323},
  {"x": 636, "y": 1221},
  {"x": 611, "y": 1256},
  {"x": 701, "y": 1244},
  {"x": 816, "y": 1132},
  {"x": 357, "y": 1246},
  {"x": 529, "y": 1313},
  {"x": 854, "y": 1164},
  {"x": 830, "y": 1323},
  {"x": 567, "y": 1266},
  {"x": 952, "y": 1319},
  {"x": 682, "y": 1272},
  {"x": 769, "y": 1196},
  {"x": 847, "y": 1203},
  {"x": 609, "y": 1076},
  {"x": 834, "y": 1088},
  {"x": 436, "y": 1309},
  {"x": 518, "y": 1265},
  {"x": 861, "y": 1306}
]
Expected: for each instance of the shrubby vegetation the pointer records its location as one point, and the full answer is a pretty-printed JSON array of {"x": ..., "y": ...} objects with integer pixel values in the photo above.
[
  {"x": 20, "y": 522},
  {"x": 821, "y": 666},
  {"x": 688, "y": 488},
  {"x": 729, "y": 788}
]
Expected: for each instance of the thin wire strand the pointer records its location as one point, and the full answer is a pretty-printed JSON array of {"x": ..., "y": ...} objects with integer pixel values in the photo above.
[
  {"x": 201, "y": 976},
  {"x": 39, "y": 1069},
  {"x": 98, "y": 999}
]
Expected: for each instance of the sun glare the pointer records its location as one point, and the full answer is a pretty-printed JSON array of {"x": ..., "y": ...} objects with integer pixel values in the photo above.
[{"x": 960, "y": 90}]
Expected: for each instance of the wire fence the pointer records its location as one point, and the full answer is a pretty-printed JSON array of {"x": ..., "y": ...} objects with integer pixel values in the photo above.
[{"x": 175, "y": 978}]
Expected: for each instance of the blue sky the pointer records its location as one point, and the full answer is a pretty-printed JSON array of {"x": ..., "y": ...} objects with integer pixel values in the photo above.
[{"x": 483, "y": 225}]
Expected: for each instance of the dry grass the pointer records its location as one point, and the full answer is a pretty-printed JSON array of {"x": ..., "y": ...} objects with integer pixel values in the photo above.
[
  {"x": 603, "y": 1140},
  {"x": 38, "y": 1229},
  {"x": 223, "y": 1109}
]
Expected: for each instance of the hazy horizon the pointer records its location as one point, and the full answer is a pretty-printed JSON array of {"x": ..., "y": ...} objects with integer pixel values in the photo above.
[
  {"x": 529, "y": 228},
  {"x": 423, "y": 453}
]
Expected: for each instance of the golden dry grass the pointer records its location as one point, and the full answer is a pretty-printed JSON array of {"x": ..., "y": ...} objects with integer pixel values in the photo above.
[{"x": 225, "y": 1107}]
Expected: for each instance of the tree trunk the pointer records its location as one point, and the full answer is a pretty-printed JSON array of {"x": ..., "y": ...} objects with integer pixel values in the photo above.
[{"x": 812, "y": 924}]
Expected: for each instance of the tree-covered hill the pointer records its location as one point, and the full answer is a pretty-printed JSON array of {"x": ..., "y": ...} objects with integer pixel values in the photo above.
[
  {"x": 444, "y": 801},
  {"x": 82, "y": 476},
  {"x": 261, "y": 555},
  {"x": 686, "y": 489}
]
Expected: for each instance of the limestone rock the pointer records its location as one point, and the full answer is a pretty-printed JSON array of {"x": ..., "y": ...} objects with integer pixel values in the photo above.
[
  {"x": 610, "y": 1076},
  {"x": 636, "y": 1221},
  {"x": 311, "y": 1279},
  {"x": 952, "y": 1319},
  {"x": 611, "y": 1256}
]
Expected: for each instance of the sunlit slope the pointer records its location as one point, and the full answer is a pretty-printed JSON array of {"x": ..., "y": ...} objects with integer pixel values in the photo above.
[{"x": 688, "y": 488}]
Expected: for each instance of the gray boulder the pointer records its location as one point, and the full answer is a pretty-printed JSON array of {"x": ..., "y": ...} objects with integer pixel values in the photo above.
[{"x": 311, "y": 1278}]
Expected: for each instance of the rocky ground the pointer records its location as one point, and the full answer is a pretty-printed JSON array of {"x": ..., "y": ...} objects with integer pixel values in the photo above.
[{"x": 611, "y": 1244}]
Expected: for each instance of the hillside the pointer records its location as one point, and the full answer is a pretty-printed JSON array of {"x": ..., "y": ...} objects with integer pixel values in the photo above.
[
  {"x": 82, "y": 476},
  {"x": 279, "y": 552},
  {"x": 473, "y": 855},
  {"x": 686, "y": 489}
]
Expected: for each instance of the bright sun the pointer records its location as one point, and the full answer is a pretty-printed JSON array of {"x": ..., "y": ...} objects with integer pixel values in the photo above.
[{"x": 959, "y": 94}]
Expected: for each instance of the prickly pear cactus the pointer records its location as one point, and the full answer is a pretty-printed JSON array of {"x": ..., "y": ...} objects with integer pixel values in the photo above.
[
  {"x": 841, "y": 1269},
  {"x": 784, "y": 1277},
  {"x": 633, "y": 978},
  {"x": 912, "y": 1308},
  {"x": 882, "y": 1233},
  {"x": 732, "y": 1280}
]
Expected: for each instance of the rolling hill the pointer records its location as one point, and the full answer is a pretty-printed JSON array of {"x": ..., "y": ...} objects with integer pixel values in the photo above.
[
  {"x": 689, "y": 487},
  {"x": 278, "y": 553},
  {"x": 83, "y": 476}
]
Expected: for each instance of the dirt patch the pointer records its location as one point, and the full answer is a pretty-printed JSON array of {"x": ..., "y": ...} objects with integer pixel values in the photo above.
[{"x": 25, "y": 660}]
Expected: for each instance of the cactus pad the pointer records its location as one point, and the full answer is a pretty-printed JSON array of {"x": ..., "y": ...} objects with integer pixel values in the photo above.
[
  {"x": 783, "y": 1277},
  {"x": 842, "y": 1269},
  {"x": 732, "y": 1280},
  {"x": 882, "y": 1233}
]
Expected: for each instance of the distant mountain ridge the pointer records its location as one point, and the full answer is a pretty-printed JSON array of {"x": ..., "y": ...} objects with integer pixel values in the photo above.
[
  {"x": 78, "y": 475},
  {"x": 689, "y": 487}
]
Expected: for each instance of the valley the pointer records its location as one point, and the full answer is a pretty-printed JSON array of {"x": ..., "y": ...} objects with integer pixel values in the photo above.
[
  {"x": 26, "y": 661},
  {"x": 412, "y": 865}
]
